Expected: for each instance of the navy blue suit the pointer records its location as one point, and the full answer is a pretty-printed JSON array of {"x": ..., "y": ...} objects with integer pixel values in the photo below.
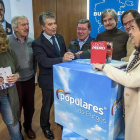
[
  {"x": 8, "y": 29},
  {"x": 47, "y": 56}
]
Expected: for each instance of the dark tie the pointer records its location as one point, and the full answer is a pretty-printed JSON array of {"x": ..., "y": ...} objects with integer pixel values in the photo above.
[{"x": 55, "y": 44}]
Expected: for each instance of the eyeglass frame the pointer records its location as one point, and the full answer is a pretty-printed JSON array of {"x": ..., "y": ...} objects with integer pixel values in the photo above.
[{"x": 129, "y": 22}]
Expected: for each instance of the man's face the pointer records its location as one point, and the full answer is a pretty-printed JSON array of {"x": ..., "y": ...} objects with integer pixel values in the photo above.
[
  {"x": 1, "y": 81},
  {"x": 128, "y": 21},
  {"x": 1, "y": 13},
  {"x": 50, "y": 26},
  {"x": 22, "y": 29},
  {"x": 135, "y": 34},
  {"x": 109, "y": 22},
  {"x": 83, "y": 31}
]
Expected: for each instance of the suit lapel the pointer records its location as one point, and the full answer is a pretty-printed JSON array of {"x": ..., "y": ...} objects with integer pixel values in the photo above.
[{"x": 49, "y": 45}]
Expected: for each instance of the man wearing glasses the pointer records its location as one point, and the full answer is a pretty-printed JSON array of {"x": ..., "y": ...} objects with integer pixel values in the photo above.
[
  {"x": 127, "y": 20},
  {"x": 81, "y": 46},
  {"x": 119, "y": 38}
]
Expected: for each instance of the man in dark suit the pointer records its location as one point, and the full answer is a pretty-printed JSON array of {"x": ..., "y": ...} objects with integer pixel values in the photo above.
[
  {"x": 49, "y": 49},
  {"x": 81, "y": 46},
  {"x": 6, "y": 26}
]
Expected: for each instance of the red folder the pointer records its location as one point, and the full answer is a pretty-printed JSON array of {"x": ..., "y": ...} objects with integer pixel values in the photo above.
[{"x": 98, "y": 52}]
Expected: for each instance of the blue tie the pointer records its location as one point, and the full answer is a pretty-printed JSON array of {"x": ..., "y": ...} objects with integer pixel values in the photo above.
[{"x": 55, "y": 44}]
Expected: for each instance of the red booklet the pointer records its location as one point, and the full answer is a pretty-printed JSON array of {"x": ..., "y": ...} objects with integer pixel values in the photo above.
[
  {"x": 98, "y": 52},
  {"x": 109, "y": 52}
]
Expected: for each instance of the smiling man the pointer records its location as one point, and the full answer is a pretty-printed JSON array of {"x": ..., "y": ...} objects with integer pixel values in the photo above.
[
  {"x": 109, "y": 19},
  {"x": 22, "y": 46},
  {"x": 130, "y": 79},
  {"x": 6, "y": 26},
  {"x": 81, "y": 46},
  {"x": 127, "y": 20},
  {"x": 49, "y": 49}
]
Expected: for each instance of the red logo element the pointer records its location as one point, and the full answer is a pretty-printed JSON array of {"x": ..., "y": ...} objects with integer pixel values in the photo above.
[
  {"x": 119, "y": 105},
  {"x": 113, "y": 106},
  {"x": 60, "y": 90}
]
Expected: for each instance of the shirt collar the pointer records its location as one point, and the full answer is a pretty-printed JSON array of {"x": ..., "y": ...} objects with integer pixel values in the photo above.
[
  {"x": 83, "y": 40},
  {"x": 18, "y": 39},
  {"x": 47, "y": 36},
  {"x": 4, "y": 25}
]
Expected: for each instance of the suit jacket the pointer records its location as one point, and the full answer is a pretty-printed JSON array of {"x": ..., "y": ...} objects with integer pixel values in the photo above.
[
  {"x": 8, "y": 29},
  {"x": 47, "y": 56},
  {"x": 131, "y": 81},
  {"x": 6, "y": 85}
]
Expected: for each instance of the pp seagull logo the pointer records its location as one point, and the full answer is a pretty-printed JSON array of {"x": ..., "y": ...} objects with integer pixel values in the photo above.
[
  {"x": 60, "y": 90},
  {"x": 116, "y": 105}
]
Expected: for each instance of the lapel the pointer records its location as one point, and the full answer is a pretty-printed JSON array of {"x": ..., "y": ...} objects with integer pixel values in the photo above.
[{"x": 49, "y": 44}]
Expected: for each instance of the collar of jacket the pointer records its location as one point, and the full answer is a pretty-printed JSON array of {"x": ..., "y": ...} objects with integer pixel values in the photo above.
[{"x": 87, "y": 42}]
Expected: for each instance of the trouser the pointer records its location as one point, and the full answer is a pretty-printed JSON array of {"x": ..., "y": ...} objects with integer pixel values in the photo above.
[
  {"x": 47, "y": 101},
  {"x": 26, "y": 90},
  {"x": 8, "y": 119}
]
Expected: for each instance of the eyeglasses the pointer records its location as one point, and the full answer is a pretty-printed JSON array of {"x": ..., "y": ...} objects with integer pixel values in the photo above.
[
  {"x": 82, "y": 29},
  {"x": 128, "y": 23}
]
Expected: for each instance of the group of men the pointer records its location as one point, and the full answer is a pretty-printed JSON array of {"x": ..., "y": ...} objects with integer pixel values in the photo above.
[{"x": 49, "y": 49}]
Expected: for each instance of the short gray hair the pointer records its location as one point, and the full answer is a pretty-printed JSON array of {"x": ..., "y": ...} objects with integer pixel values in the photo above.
[
  {"x": 111, "y": 12},
  {"x": 44, "y": 15},
  {"x": 82, "y": 21},
  {"x": 15, "y": 19}
]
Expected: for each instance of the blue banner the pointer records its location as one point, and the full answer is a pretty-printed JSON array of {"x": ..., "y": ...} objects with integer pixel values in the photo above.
[{"x": 96, "y": 7}]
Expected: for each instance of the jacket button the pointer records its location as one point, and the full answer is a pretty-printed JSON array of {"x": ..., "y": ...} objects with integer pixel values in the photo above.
[
  {"x": 126, "y": 94},
  {"x": 127, "y": 105}
]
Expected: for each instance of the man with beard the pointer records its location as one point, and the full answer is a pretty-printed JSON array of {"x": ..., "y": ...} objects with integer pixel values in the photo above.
[
  {"x": 22, "y": 46},
  {"x": 109, "y": 19},
  {"x": 6, "y": 26},
  {"x": 131, "y": 80},
  {"x": 127, "y": 20}
]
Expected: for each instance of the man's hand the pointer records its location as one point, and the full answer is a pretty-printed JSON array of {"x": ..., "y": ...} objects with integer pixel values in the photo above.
[
  {"x": 78, "y": 53},
  {"x": 12, "y": 78},
  {"x": 97, "y": 67},
  {"x": 68, "y": 56}
]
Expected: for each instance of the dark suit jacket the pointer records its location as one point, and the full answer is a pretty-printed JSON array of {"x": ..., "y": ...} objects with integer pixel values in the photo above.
[
  {"x": 47, "y": 56},
  {"x": 6, "y": 84},
  {"x": 8, "y": 28}
]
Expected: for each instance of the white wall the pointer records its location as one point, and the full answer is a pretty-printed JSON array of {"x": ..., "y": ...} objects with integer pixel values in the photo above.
[{"x": 23, "y": 7}]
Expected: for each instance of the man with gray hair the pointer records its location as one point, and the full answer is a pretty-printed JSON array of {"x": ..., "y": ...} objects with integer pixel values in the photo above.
[
  {"x": 22, "y": 46},
  {"x": 109, "y": 19},
  {"x": 49, "y": 49},
  {"x": 81, "y": 46}
]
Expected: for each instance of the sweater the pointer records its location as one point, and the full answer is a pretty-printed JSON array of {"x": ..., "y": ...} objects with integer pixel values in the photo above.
[
  {"x": 9, "y": 59},
  {"x": 25, "y": 57},
  {"x": 119, "y": 39}
]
